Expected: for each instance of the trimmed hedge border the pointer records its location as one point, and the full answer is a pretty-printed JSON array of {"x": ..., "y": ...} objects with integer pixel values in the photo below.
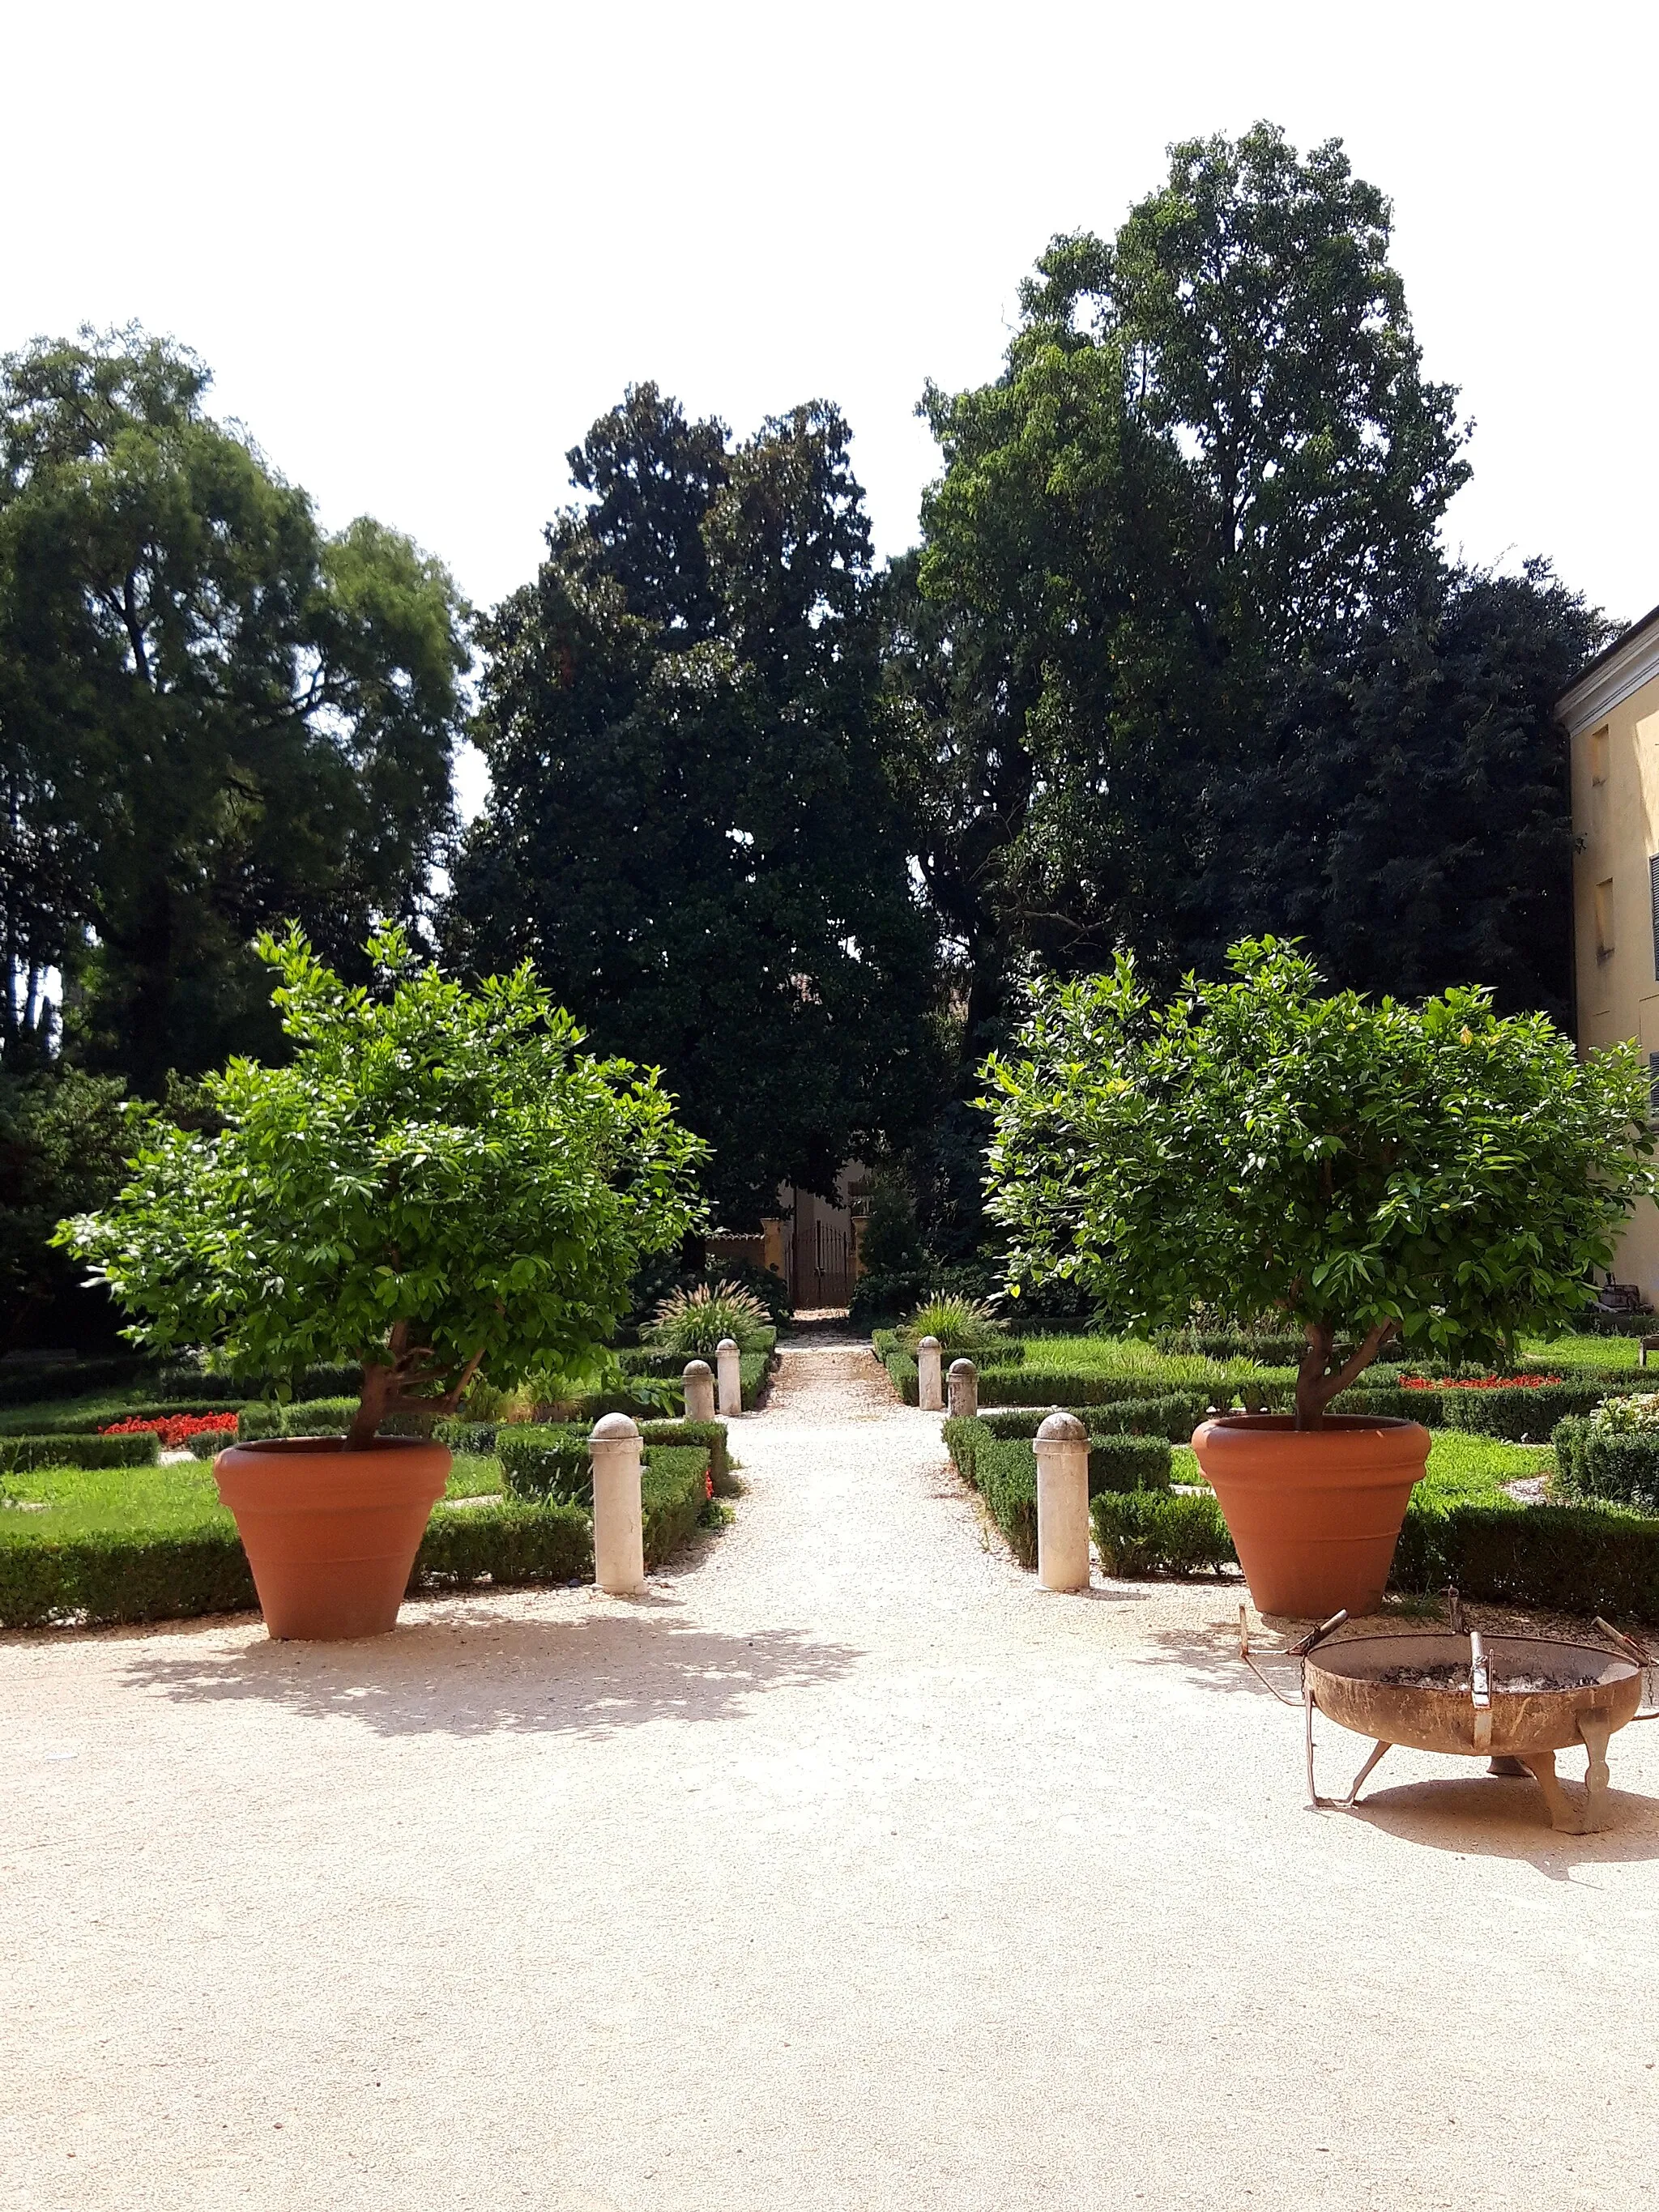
[
  {"x": 1512, "y": 1414},
  {"x": 1146, "y": 1533},
  {"x": 1598, "y": 1466},
  {"x": 1003, "y": 1469},
  {"x": 18, "y": 1454}
]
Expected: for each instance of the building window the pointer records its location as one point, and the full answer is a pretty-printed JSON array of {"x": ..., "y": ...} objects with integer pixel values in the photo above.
[
  {"x": 1653, "y": 1086},
  {"x": 1604, "y": 919},
  {"x": 1598, "y": 753},
  {"x": 1653, "y": 897}
]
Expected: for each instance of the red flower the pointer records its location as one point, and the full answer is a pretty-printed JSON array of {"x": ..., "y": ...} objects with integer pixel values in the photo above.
[{"x": 175, "y": 1429}]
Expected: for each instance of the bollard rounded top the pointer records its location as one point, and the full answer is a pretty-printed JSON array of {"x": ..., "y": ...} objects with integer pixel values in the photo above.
[
  {"x": 613, "y": 1428},
  {"x": 928, "y": 1344},
  {"x": 963, "y": 1367},
  {"x": 698, "y": 1367},
  {"x": 725, "y": 1344},
  {"x": 1062, "y": 1429}
]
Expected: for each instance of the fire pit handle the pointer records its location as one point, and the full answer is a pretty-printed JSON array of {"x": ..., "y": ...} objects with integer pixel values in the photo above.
[
  {"x": 1316, "y": 1637},
  {"x": 1644, "y": 1660}
]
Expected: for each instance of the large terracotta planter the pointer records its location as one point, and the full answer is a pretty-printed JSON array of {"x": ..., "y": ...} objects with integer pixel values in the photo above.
[
  {"x": 331, "y": 1535},
  {"x": 1315, "y": 1513}
]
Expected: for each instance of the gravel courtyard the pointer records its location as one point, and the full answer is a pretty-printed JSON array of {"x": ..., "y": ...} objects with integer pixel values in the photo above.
[{"x": 847, "y": 1871}]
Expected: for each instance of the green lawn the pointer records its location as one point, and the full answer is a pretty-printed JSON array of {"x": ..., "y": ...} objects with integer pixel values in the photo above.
[
  {"x": 63, "y": 1501},
  {"x": 1587, "y": 1352},
  {"x": 1129, "y": 1355},
  {"x": 1463, "y": 1470}
]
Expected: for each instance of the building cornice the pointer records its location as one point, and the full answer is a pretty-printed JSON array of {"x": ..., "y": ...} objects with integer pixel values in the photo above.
[{"x": 1627, "y": 663}]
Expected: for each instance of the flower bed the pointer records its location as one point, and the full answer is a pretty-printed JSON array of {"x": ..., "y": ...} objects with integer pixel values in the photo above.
[{"x": 176, "y": 1431}]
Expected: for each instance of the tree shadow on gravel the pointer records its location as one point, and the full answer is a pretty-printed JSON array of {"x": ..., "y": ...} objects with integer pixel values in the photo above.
[{"x": 475, "y": 1675}]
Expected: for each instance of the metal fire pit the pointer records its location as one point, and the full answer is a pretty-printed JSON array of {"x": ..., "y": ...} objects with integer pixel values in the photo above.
[{"x": 1515, "y": 1700}]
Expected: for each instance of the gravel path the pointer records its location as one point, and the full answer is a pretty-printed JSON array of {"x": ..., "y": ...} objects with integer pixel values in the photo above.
[{"x": 847, "y": 1870}]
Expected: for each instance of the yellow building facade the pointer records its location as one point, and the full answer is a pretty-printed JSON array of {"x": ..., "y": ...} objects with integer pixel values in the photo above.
[{"x": 1611, "y": 717}]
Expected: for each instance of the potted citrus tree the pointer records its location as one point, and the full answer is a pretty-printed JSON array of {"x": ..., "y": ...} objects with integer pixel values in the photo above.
[
  {"x": 437, "y": 1184},
  {"x": 1434, "y": 1176}
]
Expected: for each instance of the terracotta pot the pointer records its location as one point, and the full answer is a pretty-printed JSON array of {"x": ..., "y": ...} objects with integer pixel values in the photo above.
[
  {"x": 1315, "y": 1513},
  {"x": 331, "y": 1535}
]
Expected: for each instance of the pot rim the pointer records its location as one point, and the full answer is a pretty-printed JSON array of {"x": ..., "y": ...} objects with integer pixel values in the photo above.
[
  {"x": 320, "y": 1447},
  {"x": 1283, "y": 1425}
]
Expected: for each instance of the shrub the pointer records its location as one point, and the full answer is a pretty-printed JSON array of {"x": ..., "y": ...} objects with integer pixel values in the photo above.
[
  {"x": 1004, "y": 1472},
  {"x": 436, "y": 1182},
  {"x": 1174, "y": 1418},
  {"x": 1619, "y": 1465},
  {"x": 674, "y": 1489},
  {"x": 1583, "y": 1559},
  {"x": 553, "y": 1462},
  {"x": 512, "y": 1543},
  {"x": 1148, "y": 1532},
  {"x": 1439, "y": 1174},
  {"x": 539, "y": 1463},
  {"x": 1128, "y": 1463},
  {"x": 106, "y": 1576},
  {"x": 710, "y": 1437},
  {"x": 962, "y": 1325},
  {"x": 137, "y": 1448},
  {"x": 690, "y": 1324}
]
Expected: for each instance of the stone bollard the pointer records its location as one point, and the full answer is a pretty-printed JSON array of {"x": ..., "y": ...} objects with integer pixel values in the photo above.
[
  {"x": 1062, "y": 1488},
  {"x": 963, "y": 1392},
  {"x": 726, "y": 1359},
  {"x": 699, "y": 1391},
  {"x": 930, "y": 1394},
  {"x": 618, "y": 1524}
]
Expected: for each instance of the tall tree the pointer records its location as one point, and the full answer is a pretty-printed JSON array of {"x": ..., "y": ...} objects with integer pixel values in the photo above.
[
  {"x": 212, "y": 713},
  {"x": 1178, "y": 658},
  {"x": 1212, "y": 455},
  {"x": 689, "y": 830}
]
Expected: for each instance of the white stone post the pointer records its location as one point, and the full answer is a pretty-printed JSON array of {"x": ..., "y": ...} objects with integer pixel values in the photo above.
[
  {"x": 618, "y": 1522},
  {"x": 1062, "y": 1488},
  {"x": 963, "y": 1393},
  {"x": 727, "y": 1360},
  {"x": 699, "y": 1391},
  {"x": 930, "y": 1394}
]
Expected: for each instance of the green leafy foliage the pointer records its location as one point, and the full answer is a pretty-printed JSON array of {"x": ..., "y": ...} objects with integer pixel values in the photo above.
[
  {"x": 1439, "y": 1174},
  {"x": 437, "y": 1179},
  {"x": 1614, "y": 1465},
  {"x": 1144, "y": 1533},
  {"x": 212, "y": 715},
  {"x": 689, "y": 830}
]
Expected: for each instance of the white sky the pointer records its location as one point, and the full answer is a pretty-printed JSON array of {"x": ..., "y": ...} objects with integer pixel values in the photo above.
[{"x": 422, "y": 248}]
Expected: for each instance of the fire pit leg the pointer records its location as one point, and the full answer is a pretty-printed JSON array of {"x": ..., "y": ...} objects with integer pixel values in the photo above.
[
  {"x": 1540, "y": 1765},
  {"x": 1504, "y": 1764},
  {"x": 1377, "y": 1750},
  {"x": 1595, "y": 1732}
]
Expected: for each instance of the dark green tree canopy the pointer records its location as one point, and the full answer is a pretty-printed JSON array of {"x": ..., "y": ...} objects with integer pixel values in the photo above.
[
  {"x": 212, "y": 713},
  {"x": 689, "y": 832},
  {"x": 1178, "y": 658}
]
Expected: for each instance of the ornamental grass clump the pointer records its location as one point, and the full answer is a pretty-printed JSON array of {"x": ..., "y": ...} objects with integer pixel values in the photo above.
[
  {"x": 1439, "y": 1174},
  {"x": 693, "y": 1324},
  {"x": 439, "y": 1183},
  {"x": 961, "y": 1325}
]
